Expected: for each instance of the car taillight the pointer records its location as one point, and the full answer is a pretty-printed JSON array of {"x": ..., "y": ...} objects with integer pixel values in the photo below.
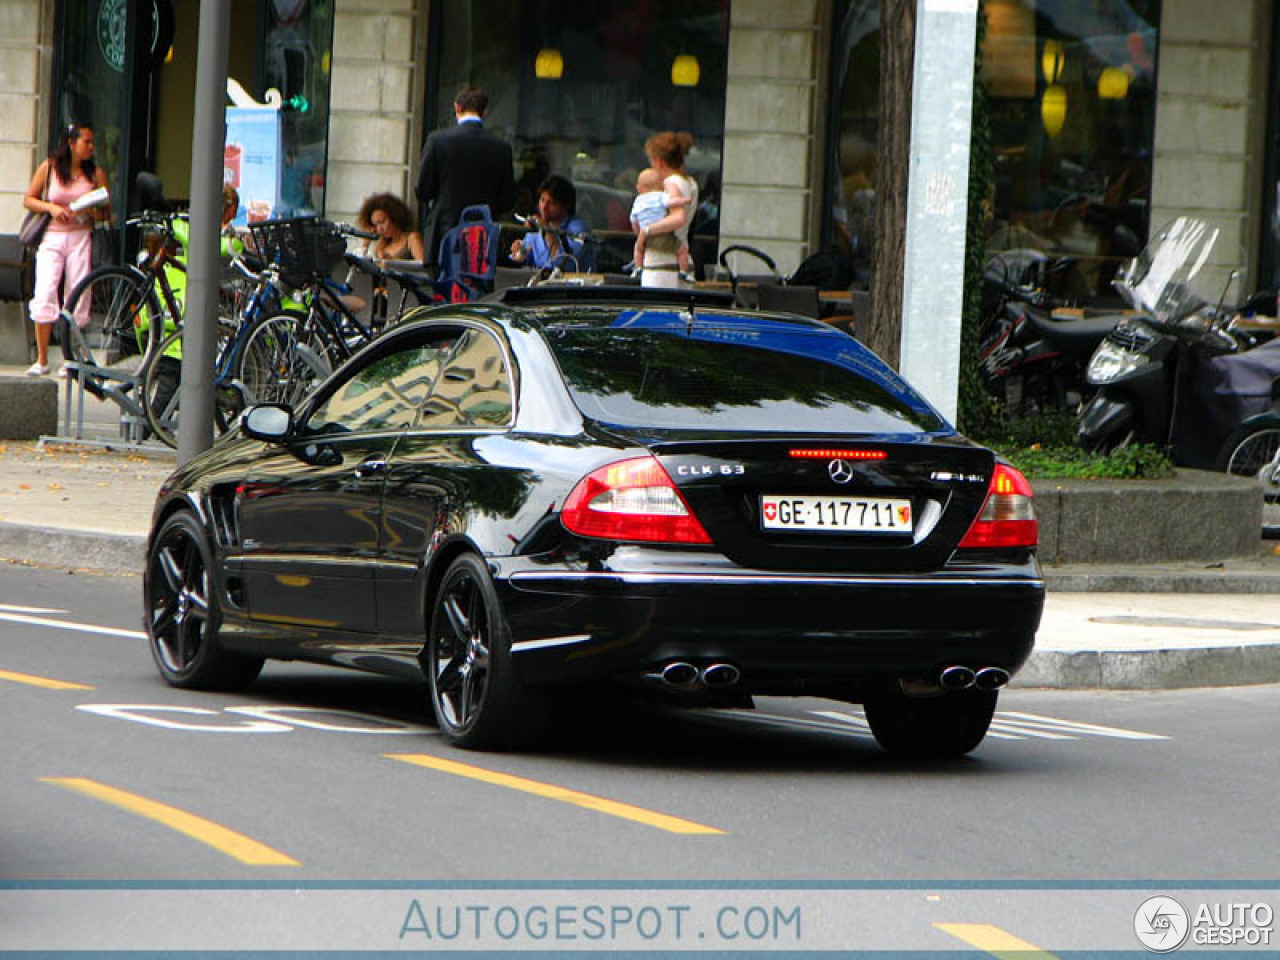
[
  {"x": 631, "y": 500},
  {"x": 1008, "y": 517}
]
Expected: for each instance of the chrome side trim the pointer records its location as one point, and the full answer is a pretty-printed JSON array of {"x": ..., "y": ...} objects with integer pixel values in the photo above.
[
  {"x": 521, "y": 645},
  {"x": 536, "y": 576}
]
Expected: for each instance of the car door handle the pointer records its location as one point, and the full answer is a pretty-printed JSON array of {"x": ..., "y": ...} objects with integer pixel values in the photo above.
[{"x": 371, "y": 468}]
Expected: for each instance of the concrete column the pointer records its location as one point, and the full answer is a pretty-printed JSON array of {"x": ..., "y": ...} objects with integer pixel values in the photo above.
[
  {"x": 770, "y": 128},
  {"x": 1211, "y": 113},
  {"x": 375, "y": 102}
]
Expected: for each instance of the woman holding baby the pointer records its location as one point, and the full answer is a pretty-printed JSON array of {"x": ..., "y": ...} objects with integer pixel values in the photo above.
[{"x": 660, "y": 258}]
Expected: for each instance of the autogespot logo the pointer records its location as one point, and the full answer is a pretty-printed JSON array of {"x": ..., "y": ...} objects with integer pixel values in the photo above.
[{"x": 1161, "y": 924}]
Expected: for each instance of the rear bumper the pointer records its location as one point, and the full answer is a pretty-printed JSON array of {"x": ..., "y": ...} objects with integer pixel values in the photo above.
[{"x": 780, "y": 630}]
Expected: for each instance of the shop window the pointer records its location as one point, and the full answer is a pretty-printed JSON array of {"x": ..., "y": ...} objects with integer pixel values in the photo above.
[
  {"x": 1071, "y": 90},
  {"x": 295, "y": 61},
  {"x": 1072, "y": 107},
  {"x": 578, "y": 88}
]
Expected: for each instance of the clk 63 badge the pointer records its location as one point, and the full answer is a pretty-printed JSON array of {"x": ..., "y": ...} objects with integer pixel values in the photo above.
[{"x": 710, "y": 470}]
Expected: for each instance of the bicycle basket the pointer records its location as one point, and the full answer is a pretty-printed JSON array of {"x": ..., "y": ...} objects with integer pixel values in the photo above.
[{"x": 305, "y": 247}]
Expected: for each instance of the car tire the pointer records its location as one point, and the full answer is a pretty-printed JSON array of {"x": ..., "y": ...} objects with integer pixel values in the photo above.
[
  {"x": 931, "y": 727},
  {"x": 183, "y": 615},
  {"x": 478, "y": 702}
]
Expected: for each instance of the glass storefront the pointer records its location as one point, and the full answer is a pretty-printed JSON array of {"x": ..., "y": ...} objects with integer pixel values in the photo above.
[
  {"x": 578, "y": 88},
  {"x": 140, "y": 100},
  {"x": 1072, "y": 101},
  {"x": 1071, "y": 88},
  {"x": 295, "y": 61}
]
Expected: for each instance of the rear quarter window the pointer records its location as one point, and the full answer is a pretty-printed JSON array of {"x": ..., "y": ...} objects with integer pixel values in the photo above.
[{"x": 721, "y": 377}]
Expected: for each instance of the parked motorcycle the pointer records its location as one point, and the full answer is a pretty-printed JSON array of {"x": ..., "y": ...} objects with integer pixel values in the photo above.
[
  {"x": 1181, "y": 372},
  {"x": 1031, "y": 357}
]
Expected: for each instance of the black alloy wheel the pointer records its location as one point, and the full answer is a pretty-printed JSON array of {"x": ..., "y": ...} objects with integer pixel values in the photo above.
[
  {"x": 477, "y": 701},
  {"x": 183, "y": 614},
  {"x": 949, "y": 725}
]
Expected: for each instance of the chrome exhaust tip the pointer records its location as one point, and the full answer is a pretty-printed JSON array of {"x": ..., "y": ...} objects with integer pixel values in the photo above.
[
  {"x": 721, "y": 675},
  {"x": 956, "y": 678},
  {"x": 680, "y": 676},
  {"x": 990, "y": 678}
]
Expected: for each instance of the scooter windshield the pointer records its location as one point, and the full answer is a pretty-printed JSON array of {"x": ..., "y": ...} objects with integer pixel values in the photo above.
[{"x": 1169, "y": 278}]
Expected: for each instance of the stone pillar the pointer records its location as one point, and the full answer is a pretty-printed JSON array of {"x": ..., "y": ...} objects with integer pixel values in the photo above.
[
  {"x": 375, "y": 102},
  {"x": 25, "y": 52},
  {"x": 771, "y": 126},
  {"x": 1211, "y": 112}
]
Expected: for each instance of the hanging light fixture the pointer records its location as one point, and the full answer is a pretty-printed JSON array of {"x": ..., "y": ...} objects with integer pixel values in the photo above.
[
  {"x": 549, "y": 64},
  {"x": 1052, "y": 60},
  {"x": 1053, "y": 109},
  {"x": 1113, "y": 83},
  {"x": 685, "y": 71}
]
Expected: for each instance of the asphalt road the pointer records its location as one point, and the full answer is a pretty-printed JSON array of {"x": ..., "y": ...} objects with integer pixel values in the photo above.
[{"x": 318, "y": 775}]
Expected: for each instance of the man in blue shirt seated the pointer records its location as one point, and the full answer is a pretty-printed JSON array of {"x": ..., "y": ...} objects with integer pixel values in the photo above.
[{"x": 558, "y": 238}]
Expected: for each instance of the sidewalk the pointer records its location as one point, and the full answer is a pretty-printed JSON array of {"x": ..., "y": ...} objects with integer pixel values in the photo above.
[{"x": 1171, "y": 625}]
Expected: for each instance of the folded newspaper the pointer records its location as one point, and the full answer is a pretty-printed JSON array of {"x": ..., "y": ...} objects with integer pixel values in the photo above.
[{"x": 94, "y": 198}]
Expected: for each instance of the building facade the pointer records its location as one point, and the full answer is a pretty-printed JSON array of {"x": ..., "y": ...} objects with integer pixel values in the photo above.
[{"x": 1108, "y": 116}]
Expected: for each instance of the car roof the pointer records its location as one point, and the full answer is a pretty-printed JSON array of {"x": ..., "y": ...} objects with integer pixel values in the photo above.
[{"x": 653, "y": 308}]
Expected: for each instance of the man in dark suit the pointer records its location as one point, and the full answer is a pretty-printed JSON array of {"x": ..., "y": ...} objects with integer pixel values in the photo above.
[{"x": 461, "y": 166}]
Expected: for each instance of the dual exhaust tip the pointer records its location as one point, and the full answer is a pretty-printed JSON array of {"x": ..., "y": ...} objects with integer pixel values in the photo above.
[
  {"x": 962, "y": 678},
  {"x": 686, "y": 677}
]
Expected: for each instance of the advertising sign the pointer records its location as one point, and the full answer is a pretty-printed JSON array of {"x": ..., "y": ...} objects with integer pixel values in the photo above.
[{"x": 252, "y": 160}]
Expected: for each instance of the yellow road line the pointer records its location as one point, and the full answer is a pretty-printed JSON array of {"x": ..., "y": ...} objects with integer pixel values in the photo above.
[
  {"x": 993, "y": 940},
  {"x": 612, "y": 807},
  {"x": 32, "y": 680},
  {"x": 233, "y": 844}
]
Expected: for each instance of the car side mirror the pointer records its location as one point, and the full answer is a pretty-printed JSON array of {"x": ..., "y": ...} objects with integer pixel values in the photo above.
[{"x": 269, "y": 422}]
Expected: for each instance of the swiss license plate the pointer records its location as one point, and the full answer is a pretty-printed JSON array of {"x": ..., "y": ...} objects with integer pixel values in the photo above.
[{"x": 835, "y": 514}]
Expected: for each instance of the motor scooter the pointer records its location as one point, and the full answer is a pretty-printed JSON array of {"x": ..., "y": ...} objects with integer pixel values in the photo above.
[
  {"x": 1180, "y": 373},
  {"x": 1033, "y": 346}
]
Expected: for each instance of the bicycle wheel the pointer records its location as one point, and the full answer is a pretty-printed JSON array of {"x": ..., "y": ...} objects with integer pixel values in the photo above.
[
  {"x": 1253, "y": 452},
  {"x": 162, "y": 394},
  {"x": 275, "y": 366},
  {"x": 120, "y": 301}
]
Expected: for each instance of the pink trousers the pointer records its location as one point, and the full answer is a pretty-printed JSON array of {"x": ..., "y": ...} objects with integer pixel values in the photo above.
[{"x": 63, "y": 259}]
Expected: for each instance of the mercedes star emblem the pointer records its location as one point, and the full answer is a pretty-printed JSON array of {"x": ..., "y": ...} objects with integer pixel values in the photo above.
[{"x": 840, "y": 471}]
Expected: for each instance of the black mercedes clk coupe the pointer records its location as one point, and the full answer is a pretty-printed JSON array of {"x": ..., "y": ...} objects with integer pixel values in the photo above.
[{"x": 563, "y": 487}]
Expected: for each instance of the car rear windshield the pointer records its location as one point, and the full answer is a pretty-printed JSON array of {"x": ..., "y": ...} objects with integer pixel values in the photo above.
[{"x": 723, "y": 377}]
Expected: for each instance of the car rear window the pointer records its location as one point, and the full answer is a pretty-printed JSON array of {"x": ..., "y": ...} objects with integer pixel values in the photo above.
[{"x": 709, "y": 376}]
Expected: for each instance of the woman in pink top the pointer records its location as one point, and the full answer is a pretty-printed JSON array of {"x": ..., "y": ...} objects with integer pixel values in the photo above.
[{"x": 65, "y": 253}]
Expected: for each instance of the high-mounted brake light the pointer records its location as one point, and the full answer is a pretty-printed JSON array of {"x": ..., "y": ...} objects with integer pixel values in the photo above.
[
  {"x": 631, "y": 500},
  {"x": 828, "y": 453},
  {"x": 1008, "y": 517}
]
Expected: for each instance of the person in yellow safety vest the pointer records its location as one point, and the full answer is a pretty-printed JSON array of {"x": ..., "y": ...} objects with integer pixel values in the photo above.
[{"x": 230, "y": 246}]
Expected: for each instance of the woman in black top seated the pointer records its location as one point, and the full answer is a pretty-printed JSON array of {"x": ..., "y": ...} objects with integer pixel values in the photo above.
[{"x": 387, "y": 215}]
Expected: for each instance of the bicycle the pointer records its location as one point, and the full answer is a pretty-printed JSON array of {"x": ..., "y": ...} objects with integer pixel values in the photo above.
[
  {"x": 133, "y": 304},
  {"x": 245, "y": 370},
  {"x": 273, "y": 352}
]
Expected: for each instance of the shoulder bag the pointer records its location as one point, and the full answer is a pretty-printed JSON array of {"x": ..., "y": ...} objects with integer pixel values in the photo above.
[{"x": 34, "y": 223}]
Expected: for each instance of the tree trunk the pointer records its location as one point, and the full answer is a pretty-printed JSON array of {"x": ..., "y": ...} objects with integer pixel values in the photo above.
[{"x": 893, "y": 152}]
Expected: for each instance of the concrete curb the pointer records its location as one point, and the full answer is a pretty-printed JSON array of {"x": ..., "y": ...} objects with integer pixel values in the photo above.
[
  {"x": 1228, "y": 666},
  {"x": 1159, "y": 581},
  {"x": 76, "y": 549}
]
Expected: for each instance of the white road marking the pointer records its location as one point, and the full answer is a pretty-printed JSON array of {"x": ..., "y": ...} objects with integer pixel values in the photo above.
[
  {"x": 1015, "y": 725},
  {"x": 14, "y": 608},
  {"x": 70, "y": 625},
  {"x": 1092, "y": 729}
]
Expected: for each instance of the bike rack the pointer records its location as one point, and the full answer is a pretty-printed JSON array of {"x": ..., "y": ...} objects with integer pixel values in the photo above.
[{"x": 122, "y": 388}]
